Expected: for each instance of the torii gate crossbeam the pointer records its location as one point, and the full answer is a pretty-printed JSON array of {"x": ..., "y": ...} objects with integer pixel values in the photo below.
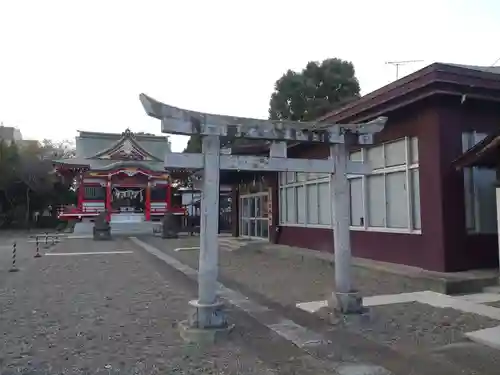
[{"x": 207, "y": 310}]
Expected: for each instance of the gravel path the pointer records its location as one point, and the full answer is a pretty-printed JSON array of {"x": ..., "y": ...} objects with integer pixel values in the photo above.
[
  {"x": 103, "y": 314},
  {"x": 288, "y": 279},
  {"x": 285, "y": 276}
]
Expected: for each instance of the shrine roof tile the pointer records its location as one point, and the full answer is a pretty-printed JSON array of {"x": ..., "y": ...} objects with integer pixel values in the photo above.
[
  {"x": 97, "y": 164},
  {"x": 92, "y": 144}
]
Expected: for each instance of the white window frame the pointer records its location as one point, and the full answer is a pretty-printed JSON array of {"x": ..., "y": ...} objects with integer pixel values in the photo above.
[
  {"x": 286, "y": 186},
  {"x": 407, "y": 168},
  {"x": 254, "y": 218}
]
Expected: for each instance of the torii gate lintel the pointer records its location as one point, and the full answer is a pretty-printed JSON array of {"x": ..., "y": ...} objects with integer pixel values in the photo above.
[{"x": 207, "y": 311}]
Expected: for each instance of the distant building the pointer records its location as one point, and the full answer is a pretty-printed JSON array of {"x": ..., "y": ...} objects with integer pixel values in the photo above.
[
  {"x": 122, "y": 174},
  {"x": 9, "y": 134}
]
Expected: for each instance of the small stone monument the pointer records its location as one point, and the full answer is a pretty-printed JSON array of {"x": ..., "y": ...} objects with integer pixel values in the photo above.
[
  {"x": 102, "y": 229},
  {"x": 170, "y": 227}
]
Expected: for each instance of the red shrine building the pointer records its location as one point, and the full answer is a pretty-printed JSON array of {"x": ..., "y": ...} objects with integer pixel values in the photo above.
[{"x": 122, "y": 174}]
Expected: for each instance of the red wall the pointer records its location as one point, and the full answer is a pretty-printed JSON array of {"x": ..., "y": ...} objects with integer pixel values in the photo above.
[{"x": 444, "y": 244}]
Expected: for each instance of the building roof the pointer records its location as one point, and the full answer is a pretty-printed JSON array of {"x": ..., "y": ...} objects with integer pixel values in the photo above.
[
  {"x": 473, "y": 82},
  {"x": 483, "y": 154},
  {"x": 106, "y": 151},
  {"x": 438, "y": 78}
]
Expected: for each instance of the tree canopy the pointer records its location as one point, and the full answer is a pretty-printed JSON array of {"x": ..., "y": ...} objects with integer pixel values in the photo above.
[
  {"x": 27, "y": 180},
  {"x": 194, "y": 143},
  {"x": 318, "y": 89}
]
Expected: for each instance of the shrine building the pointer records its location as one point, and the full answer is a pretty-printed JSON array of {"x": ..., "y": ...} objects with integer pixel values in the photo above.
[
  {"x": 415, "y": 208},
  {"x": 122, "y": 174}
]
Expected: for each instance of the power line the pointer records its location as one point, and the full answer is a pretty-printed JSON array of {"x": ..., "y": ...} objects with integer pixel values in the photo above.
[{"x": 495, "y": 62}]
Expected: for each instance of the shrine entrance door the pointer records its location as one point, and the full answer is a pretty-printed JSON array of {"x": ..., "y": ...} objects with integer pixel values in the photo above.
[{"x": 128, "y": 204}]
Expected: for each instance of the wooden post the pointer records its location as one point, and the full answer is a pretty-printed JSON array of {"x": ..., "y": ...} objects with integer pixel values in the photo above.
[
  {"x": 147, "y": 205},
  {"x": 108, "y": 199},
  {"x": 81, "y": 192},
  {"x": 168, "y": 198}
]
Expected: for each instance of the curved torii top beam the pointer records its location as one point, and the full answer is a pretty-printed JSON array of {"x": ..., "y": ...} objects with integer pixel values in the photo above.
[{"x": 186, "y": 122}]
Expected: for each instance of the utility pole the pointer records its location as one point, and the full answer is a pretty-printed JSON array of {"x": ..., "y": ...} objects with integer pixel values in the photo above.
[{"x": 398, "y": 63}]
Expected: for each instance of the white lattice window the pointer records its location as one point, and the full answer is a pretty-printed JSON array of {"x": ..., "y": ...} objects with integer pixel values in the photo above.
[
  {"x": 389, "y": 198},
  {"x": 305, "y": 199},
  {"x": 386, "y": 200}
]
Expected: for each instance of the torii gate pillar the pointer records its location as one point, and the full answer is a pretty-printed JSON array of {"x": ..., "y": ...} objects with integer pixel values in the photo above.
[{"x": 206, "y": 312}]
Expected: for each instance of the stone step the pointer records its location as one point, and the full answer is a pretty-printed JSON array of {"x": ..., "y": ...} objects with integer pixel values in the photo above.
[
  {"x": 145, "y": 227},
  {"x": 83, "y": 228}
]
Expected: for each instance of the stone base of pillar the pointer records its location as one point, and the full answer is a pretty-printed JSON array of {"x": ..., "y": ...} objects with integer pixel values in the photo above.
[
  {"x": 206, "y": 324},
  {"x": 347, "y": 303}
]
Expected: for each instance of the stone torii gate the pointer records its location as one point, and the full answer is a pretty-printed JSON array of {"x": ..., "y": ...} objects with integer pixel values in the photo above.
[{"x": 207, "y": 310}]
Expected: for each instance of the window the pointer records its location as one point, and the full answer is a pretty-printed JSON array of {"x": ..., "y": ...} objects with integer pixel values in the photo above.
[
  {"x": 386, "y": 200},
  {"x": 305, "y": 199},
  {"x": 480, "y": 195},
  {"x": 389, "y": 198},
  {"x": 95, "y": 193},
  {"x": 159, "y": 193},
  {"x": 254, "y": 220}
]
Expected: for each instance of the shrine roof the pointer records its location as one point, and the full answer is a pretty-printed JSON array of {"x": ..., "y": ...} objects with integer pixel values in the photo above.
[
  {"x": 97, "y": 145},
  {"x": 106, "y": 151},
  {"x": 106, "y": 165}
]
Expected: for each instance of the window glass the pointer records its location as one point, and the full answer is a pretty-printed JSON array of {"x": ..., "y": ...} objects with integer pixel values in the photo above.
[
  {"x": 376, "y": 201},
  {"x": 375, "y": 156},
  {"x": 312, "y": 203},
  {"x": 356, "y": 194},
  {"x": 324, "y": 199},
  {"x": 395, "y": 153},
  {"x": 397, "y": 200},
  {"x": 290, "y": 205},
  {"x": 415, "y": 182}
]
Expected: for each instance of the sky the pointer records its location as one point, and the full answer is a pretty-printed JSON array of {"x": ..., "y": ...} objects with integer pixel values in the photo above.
[{"x": 73, "y": 65}]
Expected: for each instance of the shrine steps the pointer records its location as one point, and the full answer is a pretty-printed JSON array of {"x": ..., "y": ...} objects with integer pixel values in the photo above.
[
  {"x": 119, "y": 228},
  {"x": 131, "y": 228}
]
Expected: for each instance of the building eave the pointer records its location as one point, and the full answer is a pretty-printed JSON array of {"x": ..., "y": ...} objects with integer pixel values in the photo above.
[
  {"x": 459, "y": 80},
  {"x": 484, "y": 154}
]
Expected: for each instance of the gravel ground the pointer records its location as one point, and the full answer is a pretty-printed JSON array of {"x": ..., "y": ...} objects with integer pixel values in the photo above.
[
  {"x": 494, "y": 304},
  {"x": 288, "y": 279},
  {"x": 103, "y": 314},
  {"x": 300, "y": 279},
  {"x": 415, "y": 326},
  {"x": 24, "y": 254}
]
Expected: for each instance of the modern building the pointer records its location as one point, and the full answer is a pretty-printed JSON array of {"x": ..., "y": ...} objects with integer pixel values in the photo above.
[
  {"x": 122, "y": 174},
  {"x": 415, "y": 208}
]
